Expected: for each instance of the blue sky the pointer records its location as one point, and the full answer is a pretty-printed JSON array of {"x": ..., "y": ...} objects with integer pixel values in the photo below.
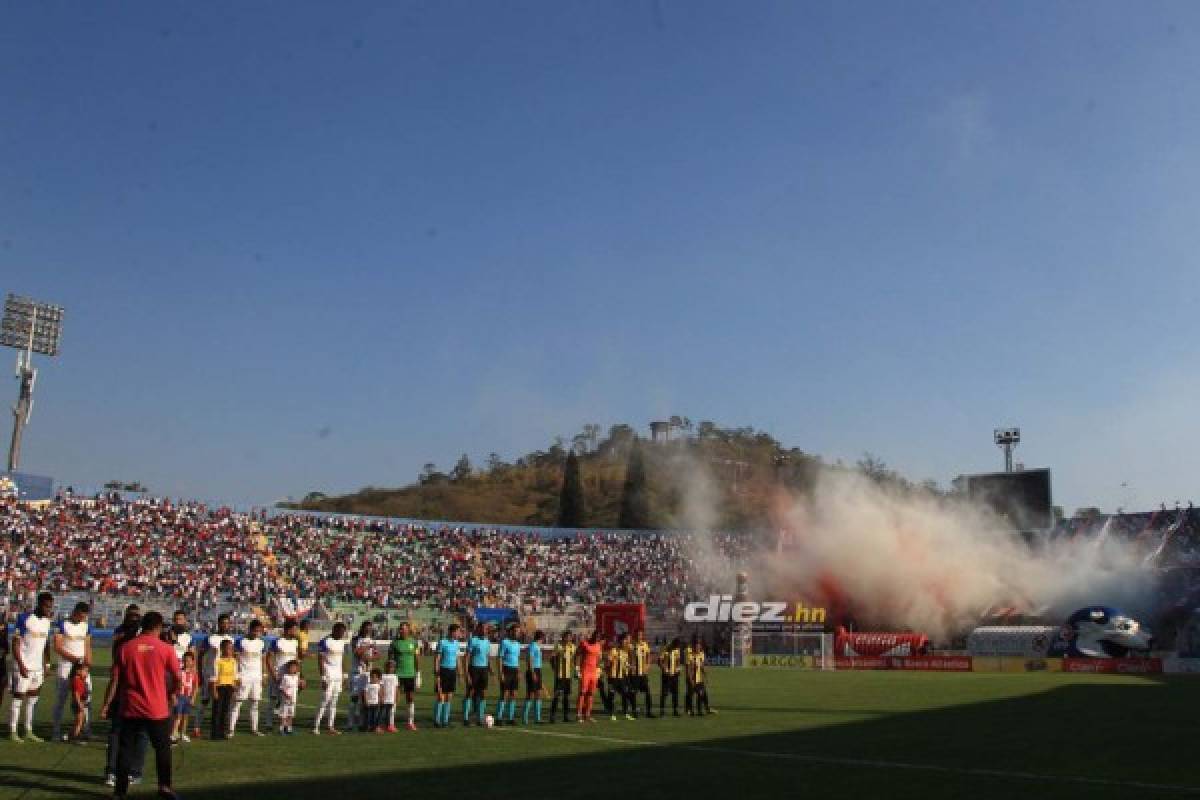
[{"x": 306, "y": 247}]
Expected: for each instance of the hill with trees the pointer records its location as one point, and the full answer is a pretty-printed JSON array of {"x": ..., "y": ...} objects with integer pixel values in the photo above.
[{"x": 612, "y": 480}]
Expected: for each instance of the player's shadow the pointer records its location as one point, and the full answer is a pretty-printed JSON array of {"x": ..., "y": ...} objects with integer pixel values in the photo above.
[
  {"x": 21, "y": 781},
  {"x": 1097, "y": 740}
]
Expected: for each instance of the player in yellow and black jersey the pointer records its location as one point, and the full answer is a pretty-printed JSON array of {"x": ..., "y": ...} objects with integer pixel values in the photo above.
[
  {"x": 697, "y": 688},
  {"x": 616, "y": 676},
  {"x": 639, "y": 673},
  {"x": 563, "y": 661},
  {"x": 670, "y": 661}
]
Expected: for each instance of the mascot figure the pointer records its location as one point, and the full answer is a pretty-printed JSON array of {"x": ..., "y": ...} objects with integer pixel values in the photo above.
[{"x": 1103, "y": 632}]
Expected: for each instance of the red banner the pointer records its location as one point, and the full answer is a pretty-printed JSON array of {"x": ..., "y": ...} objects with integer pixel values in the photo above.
[
  {"x": 921, "y": 663},
  {"x": 1127, "y": 666},
  {"x": 616, "y": 618}
]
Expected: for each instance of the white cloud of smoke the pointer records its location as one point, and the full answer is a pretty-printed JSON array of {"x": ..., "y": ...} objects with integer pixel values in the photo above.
[{"x": 912, "y": 560}]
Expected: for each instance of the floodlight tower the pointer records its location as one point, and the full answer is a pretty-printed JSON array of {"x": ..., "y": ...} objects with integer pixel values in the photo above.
[
  {"x": 30, "y": 327},
  {"x": 1007, "y": 439}
]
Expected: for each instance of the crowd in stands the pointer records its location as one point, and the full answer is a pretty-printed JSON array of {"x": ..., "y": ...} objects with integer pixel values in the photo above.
[{"x": 198, "y": 558}]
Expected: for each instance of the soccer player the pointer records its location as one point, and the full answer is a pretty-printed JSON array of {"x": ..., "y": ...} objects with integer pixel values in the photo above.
[
  {"x": 697, "y": 692},
  {"x": 330, "y": 653},
  {"x": 639, "y": 673},
  {"x": 479, "y": 669},
  {"x": 362, "y": 653},
  {"x": 448, "y": 656},
  {"x": 30, "y": 637},
  {"x": 533, "y": 678},
  {"x": 212, "y": 651},
  {"x": 564, "y": 669},
  {"x": 587, "y": 657},
  {"x": 181, "y": 635},
  {"x": 282, "y": 652},
  {"x": 510, "y": 670},
  {"x": 73, "y": 646},
  {"x": 617, "y": 672},
  {"x": 302, "y": 638},
  {"x": 669, "y": 661},
  {"x": 250, "y": 650},
  {"x": 403, "y": 652}
]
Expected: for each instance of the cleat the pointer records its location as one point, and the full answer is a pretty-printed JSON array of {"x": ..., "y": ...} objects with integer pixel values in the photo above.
[
  {"x": 110, "y": 780},
  {"x": 15, "y": 738},
  {"x": 333, "y": 732},
  {"x": 316, "y": 731},
  {"x": 30, "y": 736},
  {"x": 229, "y": 735},
  {"x": 185, "y": 738},
  {"x": 412, "y": 726},
  {"x": 613, "y": 718},
  {"x": 257, "y": 733},
  {"x": 629, "y": 716},
  {"x": 134, "y": 780}
]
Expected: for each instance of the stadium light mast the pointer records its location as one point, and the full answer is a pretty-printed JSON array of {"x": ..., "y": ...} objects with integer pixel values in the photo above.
[
  {"x": 1007, "y": 439},
  {"x": 30, "y": 327}
]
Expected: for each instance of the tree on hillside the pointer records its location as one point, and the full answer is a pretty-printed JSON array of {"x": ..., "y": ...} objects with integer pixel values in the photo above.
[
  {"x": 635, "y": 495},
  {"x": 462, "y": 470},
  {"x": 571, "y": 504}
]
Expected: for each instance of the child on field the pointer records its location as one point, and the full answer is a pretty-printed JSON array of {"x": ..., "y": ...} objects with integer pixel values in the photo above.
[
  {"x": 371, "y": 703},
  {"x": 290, "y": 685},
  {"x": 81, "y": 696},
  {"x": 185, "y": 702},
  {"x": 227, "y": 684},
  {"x": 389, "y": 684}
]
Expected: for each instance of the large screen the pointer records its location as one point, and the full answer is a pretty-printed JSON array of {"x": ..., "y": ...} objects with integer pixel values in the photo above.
[{"x": 1024, "y": 498}]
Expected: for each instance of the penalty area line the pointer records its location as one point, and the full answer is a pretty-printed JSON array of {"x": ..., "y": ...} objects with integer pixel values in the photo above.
[{"x": 841, "y": 761}]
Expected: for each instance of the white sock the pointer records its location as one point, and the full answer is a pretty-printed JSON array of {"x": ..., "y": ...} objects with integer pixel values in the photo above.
[
  {"x": 30, "y": 703},
  {"x": 254, "y": 715},
  {"x": 392, "y": 715},
  {"x": 14, "y": 712},
  {"x": 320, "y": 713},
  {"x": 412, "y": 712}
]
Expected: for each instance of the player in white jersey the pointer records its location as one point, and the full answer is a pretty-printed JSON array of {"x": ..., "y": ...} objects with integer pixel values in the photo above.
[
  {"x": 181, "y": 635},
  {"x": 330, "y": 654},
  {"x": 72, "y": 645},
  {"x": 250, "y": 652},
  {"x": 283, "y": 651},
  {"x": 362, "y": 653},
  {"x": 29, "y": 653},
  {"x": 212, "y": 649}
]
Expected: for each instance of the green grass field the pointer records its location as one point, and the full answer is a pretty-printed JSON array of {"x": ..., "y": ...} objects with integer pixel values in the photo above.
[{"x": 856, "y": 734}]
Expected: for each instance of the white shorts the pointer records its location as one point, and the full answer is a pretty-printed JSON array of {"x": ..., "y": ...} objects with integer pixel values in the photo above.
[
  {"x": 23, "y": 685},
  {"x": 250, "y": 689}
]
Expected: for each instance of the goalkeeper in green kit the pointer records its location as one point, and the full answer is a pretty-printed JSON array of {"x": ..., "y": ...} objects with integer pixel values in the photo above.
[{"x": 408, "y": 669}]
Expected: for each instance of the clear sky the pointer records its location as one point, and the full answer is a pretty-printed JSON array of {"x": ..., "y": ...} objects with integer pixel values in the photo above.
[{"x": 313, "y": 246}]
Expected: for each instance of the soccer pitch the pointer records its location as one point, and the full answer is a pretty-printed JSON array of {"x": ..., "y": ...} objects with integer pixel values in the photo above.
[{"x": 777, "y": 733}]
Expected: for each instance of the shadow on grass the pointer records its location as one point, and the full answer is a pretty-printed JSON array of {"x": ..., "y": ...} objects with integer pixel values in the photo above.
[{"x": 1096, "y": 740}]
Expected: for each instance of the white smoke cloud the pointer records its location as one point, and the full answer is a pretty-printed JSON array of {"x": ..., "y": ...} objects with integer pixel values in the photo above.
[{"x": 911, "y": 560}]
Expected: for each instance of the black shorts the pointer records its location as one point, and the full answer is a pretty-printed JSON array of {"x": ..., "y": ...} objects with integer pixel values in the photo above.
[
  {"x": 670, "y": 684},
  {"x": 408, "y": 684},
  {"x": 448, "y": 679},
  {"x": 533, "y": 680},
  {"x": 479, "y": 678},
  {"x": 562, "y": 685},
  {"x": 639, "y": 683},
  {"x": 509, "y": 679}
]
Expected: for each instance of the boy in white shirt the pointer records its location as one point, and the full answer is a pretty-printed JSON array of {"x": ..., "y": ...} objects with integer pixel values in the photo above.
[
  {"x": 388, "y": 686},
  {"x": 290, "y": 684},
  {"x": 371, "y": 703}
]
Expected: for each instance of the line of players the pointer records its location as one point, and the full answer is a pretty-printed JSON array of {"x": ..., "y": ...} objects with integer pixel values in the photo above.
[{"x": 224, "y": 672}]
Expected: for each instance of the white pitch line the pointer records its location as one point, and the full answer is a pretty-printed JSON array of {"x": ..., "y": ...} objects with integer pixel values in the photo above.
[{"x": 876, "y": 764}]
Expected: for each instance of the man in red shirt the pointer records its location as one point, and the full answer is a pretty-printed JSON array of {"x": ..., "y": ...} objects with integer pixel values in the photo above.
[{"x": 140, "y": 677}]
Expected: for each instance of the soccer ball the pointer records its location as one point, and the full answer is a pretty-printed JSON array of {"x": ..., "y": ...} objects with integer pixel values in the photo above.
[{"x": 489, "y": 721}]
